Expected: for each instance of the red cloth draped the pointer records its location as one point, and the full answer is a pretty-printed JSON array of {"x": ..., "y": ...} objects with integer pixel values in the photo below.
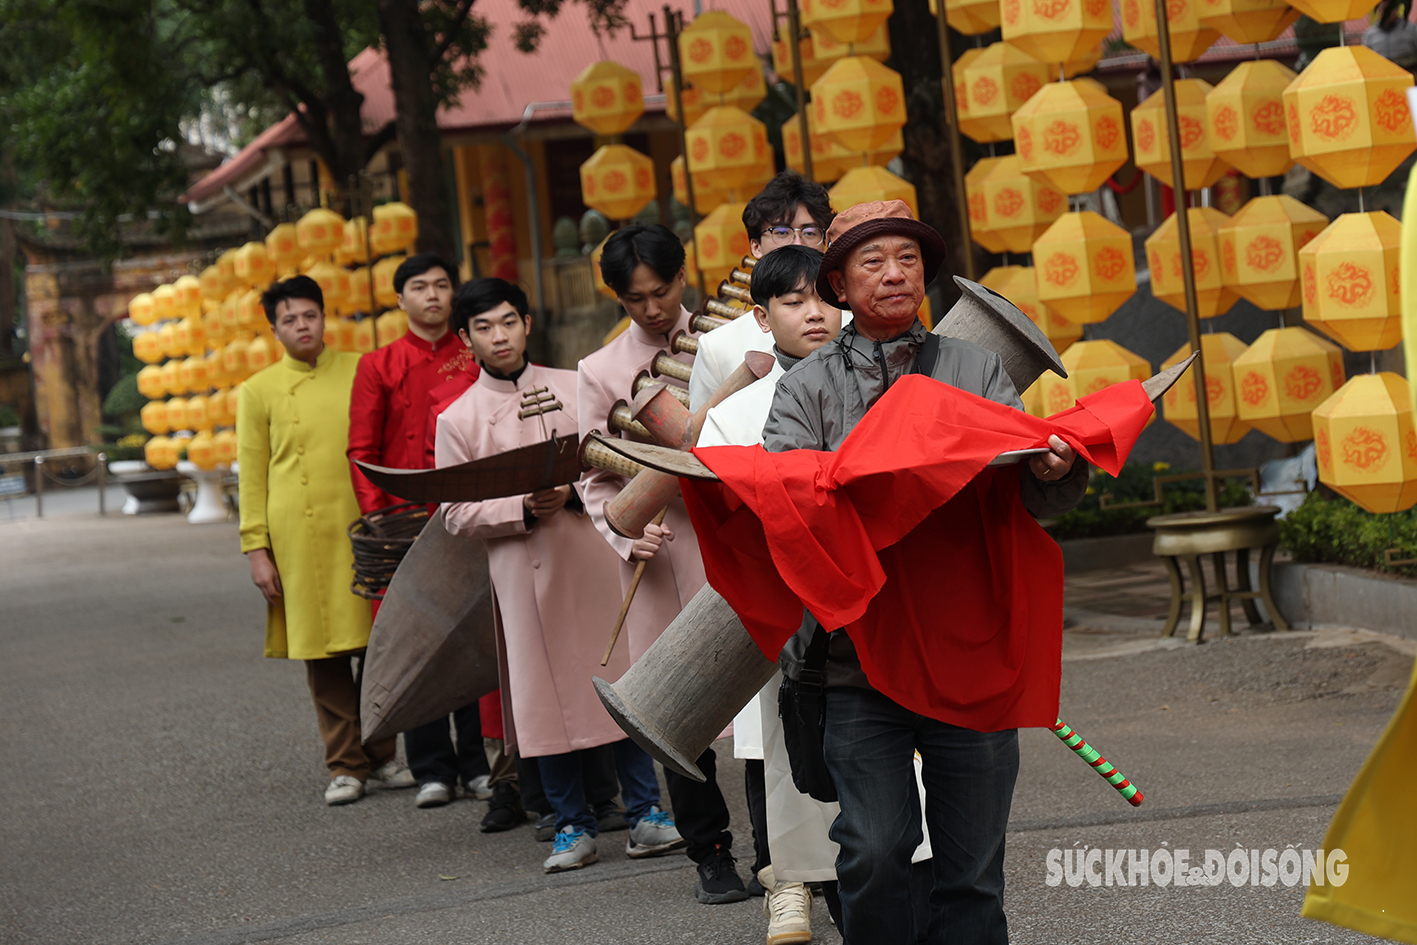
[{"x": 969, "y": 627}]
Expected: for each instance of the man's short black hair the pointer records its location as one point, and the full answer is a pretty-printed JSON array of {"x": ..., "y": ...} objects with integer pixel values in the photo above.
[
  {"x": 788, "y": 269},
  {"x": 652, "y": 244},
  {"x": 418, "y": 265},
  {"x": 777, "y": 203},
  {"x": 296, "y": 287},
  {"x": 482, "y": 295}
]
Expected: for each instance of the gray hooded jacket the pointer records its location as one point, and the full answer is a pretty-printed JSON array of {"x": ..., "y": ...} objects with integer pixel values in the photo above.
[{"x": 822, "y": 398}]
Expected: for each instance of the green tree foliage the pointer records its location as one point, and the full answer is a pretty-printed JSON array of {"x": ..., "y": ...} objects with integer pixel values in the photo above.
[{"x": 1136, "y": 484}]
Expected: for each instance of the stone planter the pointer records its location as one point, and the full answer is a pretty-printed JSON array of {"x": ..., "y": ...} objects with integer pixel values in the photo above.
[{"x": 149, "y": 490}]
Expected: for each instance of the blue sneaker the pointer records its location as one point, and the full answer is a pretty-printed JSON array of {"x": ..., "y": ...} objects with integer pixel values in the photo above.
[
  {"x": 571, "y": 850},
  {"x": 654, "y": 835}
]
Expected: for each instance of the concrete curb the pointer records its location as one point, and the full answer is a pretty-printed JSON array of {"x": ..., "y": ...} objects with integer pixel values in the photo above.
[
  {"x": 1111, "y": 551},
  {"x": 1317, "y": 595}
]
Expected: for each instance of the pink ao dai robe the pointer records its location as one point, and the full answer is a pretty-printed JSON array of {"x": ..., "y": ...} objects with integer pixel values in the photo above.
[
  {"x": 556, "y": 585},
  {"x": 676, "y": 573}
]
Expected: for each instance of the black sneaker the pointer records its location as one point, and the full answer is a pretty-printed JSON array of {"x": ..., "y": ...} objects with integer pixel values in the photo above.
[
  {"x": 546, "y": 828},
  {"x": 755, "y": 888},
  {"x": 610, "y": 817},
  {"x": 504, "y": 811},
  {"x": 718, "y": 881}
]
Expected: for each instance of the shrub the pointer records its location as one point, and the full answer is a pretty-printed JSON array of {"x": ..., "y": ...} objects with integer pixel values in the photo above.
[
  {"x": 1136, "y": 484},
  {"x": 1332, "y": 530}
]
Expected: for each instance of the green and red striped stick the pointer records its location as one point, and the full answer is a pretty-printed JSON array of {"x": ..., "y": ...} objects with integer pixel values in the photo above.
[{"x": 1089, "y": 754}]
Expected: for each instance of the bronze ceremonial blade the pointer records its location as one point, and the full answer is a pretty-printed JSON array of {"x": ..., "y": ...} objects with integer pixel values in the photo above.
[
  {"x": 433, "y": 648},
  {"x": 662, "y": 458},
  {"x": 1159, "y": 384},
  {"x": 515, "y": 472}
]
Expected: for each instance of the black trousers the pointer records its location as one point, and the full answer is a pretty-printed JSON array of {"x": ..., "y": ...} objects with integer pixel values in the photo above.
[
  {"x": 755, "y": 787},
  {"x": 432, "y": 755},
  {"x": 700, "y": 812},
  {"x": 597, "y": 768}
]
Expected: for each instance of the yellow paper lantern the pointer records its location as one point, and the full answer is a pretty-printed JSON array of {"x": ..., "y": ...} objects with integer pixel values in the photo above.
[
  {"x": 198, "y": 415},
  {"x": 1035, "y": 402},
  {"x": 720, "y": 241},
  {"x": 1282, "y": 377},
  {"x": 233, "y": 359},
  {"x": 1351, "y": 281},
  {"x": 188, "y": 290},
  {"x": 216, "y": 371},
  {"x": 1019, "y": 285},
  {"x": 865, "y": 184},
  {"x": 395, "y": 228},
  {"x": 226, "y": 266},
  {"x": 153, "y": 417},
  {"x": 215, "y": 329},
  {"x": 320, "y": 232},
  {"x": 1218, "y": 351},
  {"x": 189, "y": 336},
  {"x": 383, "y": 276},
  {"x": 391, "y": 326},
  {"x": 1348, "y": 117},
  {"x": 607, "y": 97},
  {"x": 177, "y": 413},
  {"x": 1163, "y": 250},
  {"x": 812, "y": 66},
  {"x": 716, "y": 52},
  {"x": 705, "y": 197},
  {"x": 333, "y": 282},
  {"x": 1201, "y": 164},
  {"x": 1366, "y": 444},
  {"x": 250, "y": 314},
  {"x": 364, "y": 340},
  {"x": 618, "y": 181},
  {"x": 261, "y": 353},
  {"x": 252, "y": 265},
  {"x": 192, "y": 372},
  {"x": 1259, "y": 249},
  {"x": 1084, "y": 63},
  {"x": 846, "y": 21},
  {"x": 1333, "y": 11},
  {"x": 150, "y": 383},
  {"x": 1085, "y": 267},
  {"x": 1190, "y": 36},
  {"x": 214, "y": 287},
  {"x": 167, "y": 337},
  {"x": 164, "y": 303},
  {"x": 859, "y": 103},
  {"x": 171, "y": 377},
  {"x": 219, "y": 407},
  {"x": 160, "y": 453},
  {"x": 1245, "y": 116},
  {"x": 829, "y": 159},
  {"x": 993, "y": 84},
  {"x": 354, "y": 244},
  {"x": 1020, "y": 207},
  {"x": 201, "y": 451},
  {"x": 969, "y": 17},
  {"x": 877, "y": 46},
  {"x": 147, "y": 347},
  {"x": 728, "y": 148},
  {"x": 361, "y": 297},
  {"x": 141, "y": 309},
  {"x": 283, "y": 249},
  {"x": 745, "y": 95},
  {"x": 1071, "y": 134},
  {"x": 981, "y": 228},
  {"x": 1091, "y": 366},
  {"x": 1054, "y": 31},
  {"x": 1248, "y": 21},
  {"x": 224, "y": 447}
]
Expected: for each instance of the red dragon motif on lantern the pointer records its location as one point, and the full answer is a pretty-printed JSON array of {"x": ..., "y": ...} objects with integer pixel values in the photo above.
[
  {"x": 1302, "y": 382},
  {"x": 1024, "y": 85},
  {"x": 1146, "y": 135},
  {"x": 887, "y": 99},
  {"x": 1052, "y": 9},
  {"x": 1254, "y": 388},
  {"x": 1390, "y": 111},
  {"x": 1109, "y": 263},
  {"x": 1061, "y": 137},
  {"x": 1334, "y": 118},
  {"x": 1350, "y": 284},
  {"x": 1061, "y": 269},
  {"x": 985, "y": 90},
  {"x": 1008, "y": 202},
  {"x": 847, "y": 104},
  {"x": 1192, "y": 132},
  {"x": 1365, "y": 449},
  {"x": 1264, "y": 253},
  {"x": 1268, "y": 116},
  {"x": 1106, "y": 132},
  {"x": 1226, "y": 123}
]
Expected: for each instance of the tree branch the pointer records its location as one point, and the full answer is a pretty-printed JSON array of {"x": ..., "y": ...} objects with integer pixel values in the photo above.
[{"x": 450, "y": 37}]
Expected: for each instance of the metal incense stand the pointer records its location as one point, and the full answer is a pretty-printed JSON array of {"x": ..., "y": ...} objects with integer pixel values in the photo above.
[{"x": 1215, "y": 531}]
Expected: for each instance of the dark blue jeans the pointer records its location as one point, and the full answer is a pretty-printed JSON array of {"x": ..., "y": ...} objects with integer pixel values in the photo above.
[
  {"x": 969, "y": 776},
  {"x": 433, "y": 756},
  {"x": 563, "y": 780}
]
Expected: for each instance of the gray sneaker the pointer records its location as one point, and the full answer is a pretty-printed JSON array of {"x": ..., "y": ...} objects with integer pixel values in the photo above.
[
  {"x": 392, "y": 774},
  {"x": 433, "y": 794},
  {"x": 480, "y": 789},
  {"x": 343, "y": 789},
  {"x": 546, "y": 828},
  {"x": 654, "y": 835},
  {"x": 572, "y": 850}
]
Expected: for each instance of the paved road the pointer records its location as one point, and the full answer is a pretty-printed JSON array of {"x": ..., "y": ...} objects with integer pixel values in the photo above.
[{"x": 163, "y": 781}]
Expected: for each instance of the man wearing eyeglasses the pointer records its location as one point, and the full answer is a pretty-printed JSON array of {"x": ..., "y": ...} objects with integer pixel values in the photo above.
[{"x": 789, "y": 210}]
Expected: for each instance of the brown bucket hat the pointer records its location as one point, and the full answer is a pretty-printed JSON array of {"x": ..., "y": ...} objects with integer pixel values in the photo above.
[{"x": 854, "y": 226}]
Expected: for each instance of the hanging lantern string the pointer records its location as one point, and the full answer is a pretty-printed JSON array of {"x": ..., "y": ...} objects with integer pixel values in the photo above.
[
  {"x": 1372, "y": 362},
  {"x": 1361, "y": 207}
]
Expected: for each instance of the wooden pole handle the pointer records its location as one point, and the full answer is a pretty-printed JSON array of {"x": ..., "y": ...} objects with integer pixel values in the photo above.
[{"x": 630, "y": 595}]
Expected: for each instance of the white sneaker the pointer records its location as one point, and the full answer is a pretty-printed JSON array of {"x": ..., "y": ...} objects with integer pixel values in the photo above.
[
  {"x": 654, "y": 835},
  {"x": 343, "y": 789},
  {"x": 480, "y": 788},
  {"x": 788, "y": 907},
  {"x": 392, "y": 774},
  {"x": 572, "y": 849},
  {"x": 433, "y": 794}
]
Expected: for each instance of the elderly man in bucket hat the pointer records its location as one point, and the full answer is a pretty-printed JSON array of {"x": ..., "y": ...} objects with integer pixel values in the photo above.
[{"x": 879, "y": 261}]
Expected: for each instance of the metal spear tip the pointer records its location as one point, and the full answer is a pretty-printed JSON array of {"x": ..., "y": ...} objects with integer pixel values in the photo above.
[{"x": 1158, "y": 384}]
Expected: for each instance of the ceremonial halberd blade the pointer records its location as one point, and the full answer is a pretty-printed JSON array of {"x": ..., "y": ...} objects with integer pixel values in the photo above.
[{"x": 515, "y": 472}]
